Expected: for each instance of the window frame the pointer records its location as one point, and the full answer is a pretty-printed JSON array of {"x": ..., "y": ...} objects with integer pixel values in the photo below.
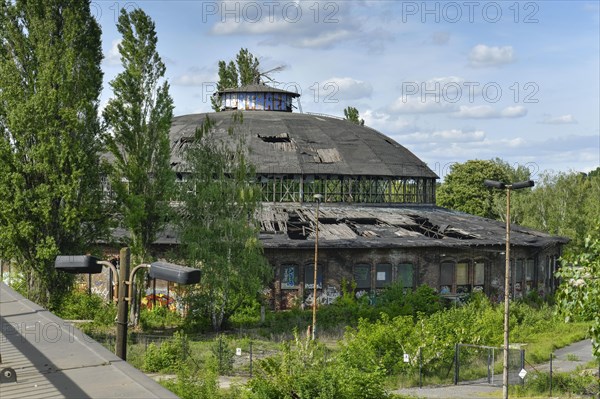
[
  {"x": 369, "y": 268},
  {"x": 399, "y": 274},
  {"x": 287, "y": 266},
  {"x": 388, "y": 274}
]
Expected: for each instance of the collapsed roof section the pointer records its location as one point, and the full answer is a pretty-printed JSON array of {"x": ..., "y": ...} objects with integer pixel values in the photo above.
[{"x": 293, "y": 225}]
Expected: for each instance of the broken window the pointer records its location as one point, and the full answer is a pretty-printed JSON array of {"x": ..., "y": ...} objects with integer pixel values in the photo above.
[{"x": 447, "y": 278}]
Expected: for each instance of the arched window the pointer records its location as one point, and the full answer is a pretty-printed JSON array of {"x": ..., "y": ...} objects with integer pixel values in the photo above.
[
  {"x": 406, "y": 274},
  {"x": 529, "y": 274},
  {"x": 383, "y": 276},
  {"x": 447, "y": 285},
  {"x": 479, "y": 275}
]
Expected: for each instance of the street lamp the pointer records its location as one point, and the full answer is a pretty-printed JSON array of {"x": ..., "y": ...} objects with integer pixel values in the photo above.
[
  {"x": 161, "y": 270},
  {"x": 508, "y": 188},
  {"x": 317, "y": 198}
]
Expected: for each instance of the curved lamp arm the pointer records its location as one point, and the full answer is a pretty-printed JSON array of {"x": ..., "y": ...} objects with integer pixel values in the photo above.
[
  {"x": 130, "y": 281},
  {"x": 112, "y": 269}
]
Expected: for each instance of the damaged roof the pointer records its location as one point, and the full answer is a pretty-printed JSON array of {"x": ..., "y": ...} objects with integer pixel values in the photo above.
[
  {"x": 292, "y": 225},
  {"x": 283, "y": 143}
]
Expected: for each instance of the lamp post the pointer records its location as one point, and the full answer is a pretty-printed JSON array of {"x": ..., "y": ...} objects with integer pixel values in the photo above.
[
  {"x": 161, "y": 270},
  {"x": 314, "y": 305},
  {"x": 508, "y": 188}
]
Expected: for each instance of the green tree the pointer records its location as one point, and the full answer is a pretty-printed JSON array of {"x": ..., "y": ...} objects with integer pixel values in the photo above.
[
  {"x": 463, "y": 188},
  {"x": 244, "y": 71},
  {"x": 564, "y": 204},
  {"x": 219, "y": 233},
  {"x": 247, "y": 66},
  {"x": 351, "y": 114},
  {"x": 519, "y": 199},
  {"x": 50, "y": 81},
  {"x": 139, "y": 119},
  {"x": 579, "y": 292}
]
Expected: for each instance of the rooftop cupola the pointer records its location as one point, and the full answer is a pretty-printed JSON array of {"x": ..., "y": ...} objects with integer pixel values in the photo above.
[{"x": 256, "y": 97}]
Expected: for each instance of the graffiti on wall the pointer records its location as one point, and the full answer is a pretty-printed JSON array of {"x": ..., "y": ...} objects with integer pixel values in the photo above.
[{"x": 325, "y": 297}]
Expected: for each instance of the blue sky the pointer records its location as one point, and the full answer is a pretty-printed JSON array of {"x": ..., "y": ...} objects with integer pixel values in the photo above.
[{"x": 451, "y": 81}]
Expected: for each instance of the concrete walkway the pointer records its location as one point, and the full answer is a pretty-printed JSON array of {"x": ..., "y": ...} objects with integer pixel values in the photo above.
[{"x": 566, "y": 359}]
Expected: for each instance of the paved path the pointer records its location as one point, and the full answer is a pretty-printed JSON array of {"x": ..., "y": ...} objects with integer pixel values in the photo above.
[{"x": 566, "y": 359}]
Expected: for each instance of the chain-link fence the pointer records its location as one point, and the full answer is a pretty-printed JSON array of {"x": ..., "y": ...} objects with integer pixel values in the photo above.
[
  {"x": 478, "y": 364},
  {"x": 228, "y": 354}
]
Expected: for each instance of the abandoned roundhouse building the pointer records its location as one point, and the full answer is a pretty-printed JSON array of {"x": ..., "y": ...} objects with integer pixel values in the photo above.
[{"x": 377, "y": 219}]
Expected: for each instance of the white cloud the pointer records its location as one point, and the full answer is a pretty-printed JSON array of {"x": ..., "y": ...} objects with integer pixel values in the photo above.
[
  {"x": 113, "y": 57},
  {"x": 300, "y": 24},
  {"x": 350, "y": 89},
  {"x": 443, "y": 137},
  {"x": 325, "y": 39},
  {"x": 513, "y": 112},
  {"x": 196, "y": 77},
  {"x": 559, "y": 120},
  {"x": 489, "y": 112},
  {"x": 419, "y": 105},
  {"x": 482, "y": 56},
  {"x": 458, "y": 136},
  {"x": 386, "y": 123}
]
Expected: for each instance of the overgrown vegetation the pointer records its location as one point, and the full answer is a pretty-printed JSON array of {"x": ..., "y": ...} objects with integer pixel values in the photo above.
[
  {"x": 79, "y": 305},
  {"x": 563, "y": 384},
  {"x": 304, "y": 370},
  {"x": 381, "y": 345},
  {"x": 366, "y": 360},
  {"x": 579, "y": 293},
  {"x": 159, "y": 317}
]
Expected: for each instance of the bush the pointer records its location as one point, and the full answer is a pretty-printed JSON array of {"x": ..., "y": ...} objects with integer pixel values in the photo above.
[
  {"x": 167, "y": 357},
  {"x": 159, "y": 318},
  {"x": 304, "y": 370},
  {"x": 190, "y": 385},
  {"x": 79, "y": 305}
]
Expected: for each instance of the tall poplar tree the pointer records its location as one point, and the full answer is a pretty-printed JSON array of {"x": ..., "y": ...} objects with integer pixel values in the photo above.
[
  {"x": 50, "y": 81},
  {"x": 138, "y": 118},
  {"x": 218, "y": 227}
]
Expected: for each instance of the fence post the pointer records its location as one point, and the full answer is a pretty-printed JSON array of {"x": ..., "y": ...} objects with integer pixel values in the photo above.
[
  {"x": 250, "y": 359},
  {"x": 522, "y": 365},
  {"x": 551, "y": 356},
  {"x": 489, "y": 365},
  {"x": 456, "y": 366},
  {"x": 421, "y": 367},
  {"x": 220, "y": 354}
]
